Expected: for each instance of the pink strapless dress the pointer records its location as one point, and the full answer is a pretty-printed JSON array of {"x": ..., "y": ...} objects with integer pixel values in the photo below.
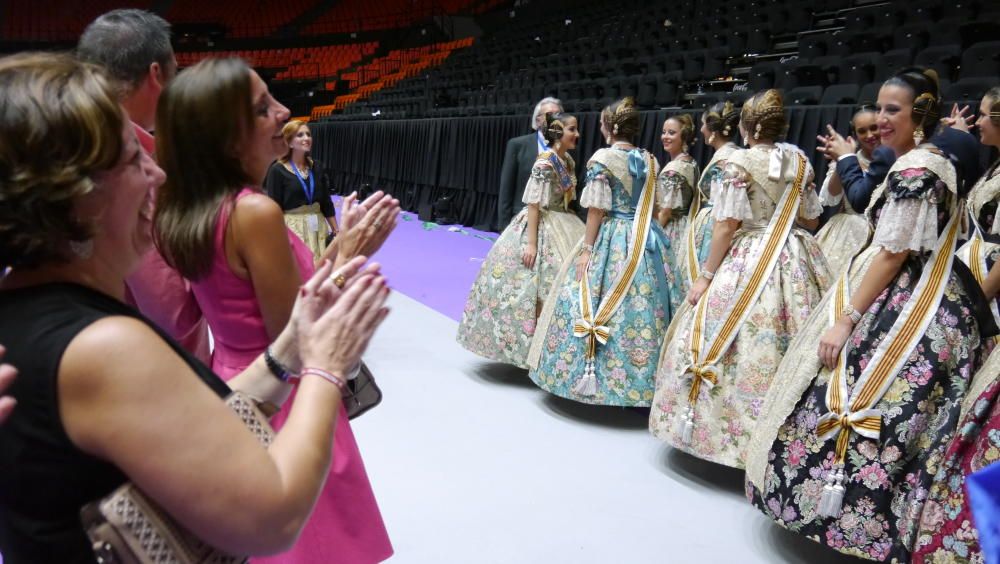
[{"x": 346, "y": 526}]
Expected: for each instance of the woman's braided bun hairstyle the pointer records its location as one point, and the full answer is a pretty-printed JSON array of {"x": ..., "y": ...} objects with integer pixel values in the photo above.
[
  {"x": 763, "y": 116},
  {"x": 622, "y": 119},
  {"x": 555, "y": 126},
  {"x": 723, "y": 119},
  {"x": 925, "y": 85}
]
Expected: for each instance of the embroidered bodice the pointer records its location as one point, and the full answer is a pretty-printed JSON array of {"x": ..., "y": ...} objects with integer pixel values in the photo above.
[
  {"x": 712, "y": 176},
  {"x": 983, "y": 201},
  {"x": 550, "y": 182},
  {"x": 754, "y": 181},
  {"x": 913, "y": 204},
  {"x": 609, "y": 184},
  {"x": 677, "y": 181}
]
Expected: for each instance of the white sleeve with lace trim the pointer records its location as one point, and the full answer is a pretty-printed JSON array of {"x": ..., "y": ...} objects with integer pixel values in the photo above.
[
  {"x": 811, "y": 207},
  {"x": 539, "y": 187},
  {"x": 907, "y": 225},
  {"x": 597, "y": 193},
  {"x": 729, "y": 195},
  {"x": 825, "y": 198}
]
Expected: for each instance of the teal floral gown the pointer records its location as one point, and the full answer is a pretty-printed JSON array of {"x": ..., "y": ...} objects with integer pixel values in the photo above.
[
  {"x": 700, "y": 231},
  {"x": 623, "y": 367},
  {"x": 498, "y": 322}
]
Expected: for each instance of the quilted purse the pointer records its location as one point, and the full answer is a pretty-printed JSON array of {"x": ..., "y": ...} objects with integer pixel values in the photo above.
[{"x": 127, "y": 527}]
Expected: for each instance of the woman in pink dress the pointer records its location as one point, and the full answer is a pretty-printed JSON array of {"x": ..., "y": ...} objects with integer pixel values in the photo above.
[{"x": 218, "y": 129}]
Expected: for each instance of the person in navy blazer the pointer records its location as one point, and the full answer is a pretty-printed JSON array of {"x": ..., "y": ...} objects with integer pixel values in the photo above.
[
  {"x": 954, "y": 140},
  {"x": 518, "y": 159}
]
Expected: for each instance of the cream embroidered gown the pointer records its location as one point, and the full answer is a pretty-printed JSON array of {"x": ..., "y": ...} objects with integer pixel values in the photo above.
[
  {"x": 982, "y": 204},
  {"x": 886, "y": 480},
  {"x": 725, "y": 414},
  {"x": 500, "y": 313},
  {"x": 677, "y": 180},
  {"x": 847, "y": 232}
]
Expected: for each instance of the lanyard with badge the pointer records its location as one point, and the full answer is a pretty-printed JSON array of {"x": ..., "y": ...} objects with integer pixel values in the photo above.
[{"x": 310, "y": 192}]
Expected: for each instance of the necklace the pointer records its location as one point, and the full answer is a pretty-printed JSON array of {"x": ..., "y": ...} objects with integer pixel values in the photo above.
[{"x": 290, "y": 165}]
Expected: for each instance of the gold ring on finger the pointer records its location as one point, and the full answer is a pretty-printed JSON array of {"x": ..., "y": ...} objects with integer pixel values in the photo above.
[{"x": 339, "y": 281}]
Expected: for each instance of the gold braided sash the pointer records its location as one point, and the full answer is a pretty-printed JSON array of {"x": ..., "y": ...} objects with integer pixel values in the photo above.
[
  {"x": 592, "y": 326},
  {"x": 692, "y": 252},
  {"x": 702, "y": 371},
  {"x": 976, "y": 261},
  {"x": 855, "y": 412}
]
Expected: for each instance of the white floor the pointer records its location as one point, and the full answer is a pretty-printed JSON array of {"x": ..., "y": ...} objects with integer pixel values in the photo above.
[{"x": 472, "y": 463}]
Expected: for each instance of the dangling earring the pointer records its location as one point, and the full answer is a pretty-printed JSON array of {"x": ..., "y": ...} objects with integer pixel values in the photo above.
[
  {"x": 614, "y": 130},
  {"x": 557, "y": 144},
  {"x": 756, "y": 132},
  {"x": 711, "y": 138},
  {"x": 918, "y": 136},
  {"x": 684, "y": 148},
  {"x": 82, "y": 249}
]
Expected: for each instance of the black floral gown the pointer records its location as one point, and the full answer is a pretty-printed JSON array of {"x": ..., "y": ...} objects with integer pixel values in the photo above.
[{"x": 887, "y": 479}]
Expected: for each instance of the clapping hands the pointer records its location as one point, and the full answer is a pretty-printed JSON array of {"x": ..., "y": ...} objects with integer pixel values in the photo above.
[{"x": 834, "y": 145}]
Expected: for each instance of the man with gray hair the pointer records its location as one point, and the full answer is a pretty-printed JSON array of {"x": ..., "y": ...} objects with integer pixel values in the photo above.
[
  {"x": 134, "y": 47},
  {"x": 517, "y": 162}
]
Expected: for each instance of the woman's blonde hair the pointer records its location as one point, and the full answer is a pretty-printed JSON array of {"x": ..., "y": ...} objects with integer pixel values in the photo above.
[
  {"x": 60, "y": 123},
  {"x": 687, "y": 127},
  {"x": 202, "y": 117},
  {"x": 289, "y": 132},
  {"x": 763, "y": 115}
]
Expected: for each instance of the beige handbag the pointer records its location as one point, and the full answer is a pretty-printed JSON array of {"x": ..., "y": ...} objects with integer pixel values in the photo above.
[{"x": 127, "y": 527}]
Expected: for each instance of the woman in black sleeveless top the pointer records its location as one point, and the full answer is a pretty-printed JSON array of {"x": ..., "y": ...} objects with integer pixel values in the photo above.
[{"x": 103, "y": 396}]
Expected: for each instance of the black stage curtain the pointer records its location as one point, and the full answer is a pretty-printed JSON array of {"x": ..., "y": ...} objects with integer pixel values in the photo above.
[{"x": 421, "y": 160}]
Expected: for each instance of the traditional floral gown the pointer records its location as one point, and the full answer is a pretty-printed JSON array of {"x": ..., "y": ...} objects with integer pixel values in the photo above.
[
  {"x": 500, "y": 314},
  {"x": 982, "y": 203},
  {"x": 724, "y": 414},
  {"x": 626, "y": 363},
  {"x": 701, "y": 227},
  {"x": 886, "y": 480},
  {"x": 947, "y": 532},
  {"x": 677, "y": 180},
  {"x": 847, "y": 232}
]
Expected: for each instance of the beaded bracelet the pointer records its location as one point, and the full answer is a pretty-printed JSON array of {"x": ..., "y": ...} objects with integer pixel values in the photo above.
[
  {"x": 707, "y": 274},
  {"x": 280, "y": 371},
  {"x": 329, "y": 377},
  {"x": 588, "y": 248}
]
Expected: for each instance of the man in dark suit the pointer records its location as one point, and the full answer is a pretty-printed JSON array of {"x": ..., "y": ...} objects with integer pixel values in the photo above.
[{"x": 518, "y": 159}]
